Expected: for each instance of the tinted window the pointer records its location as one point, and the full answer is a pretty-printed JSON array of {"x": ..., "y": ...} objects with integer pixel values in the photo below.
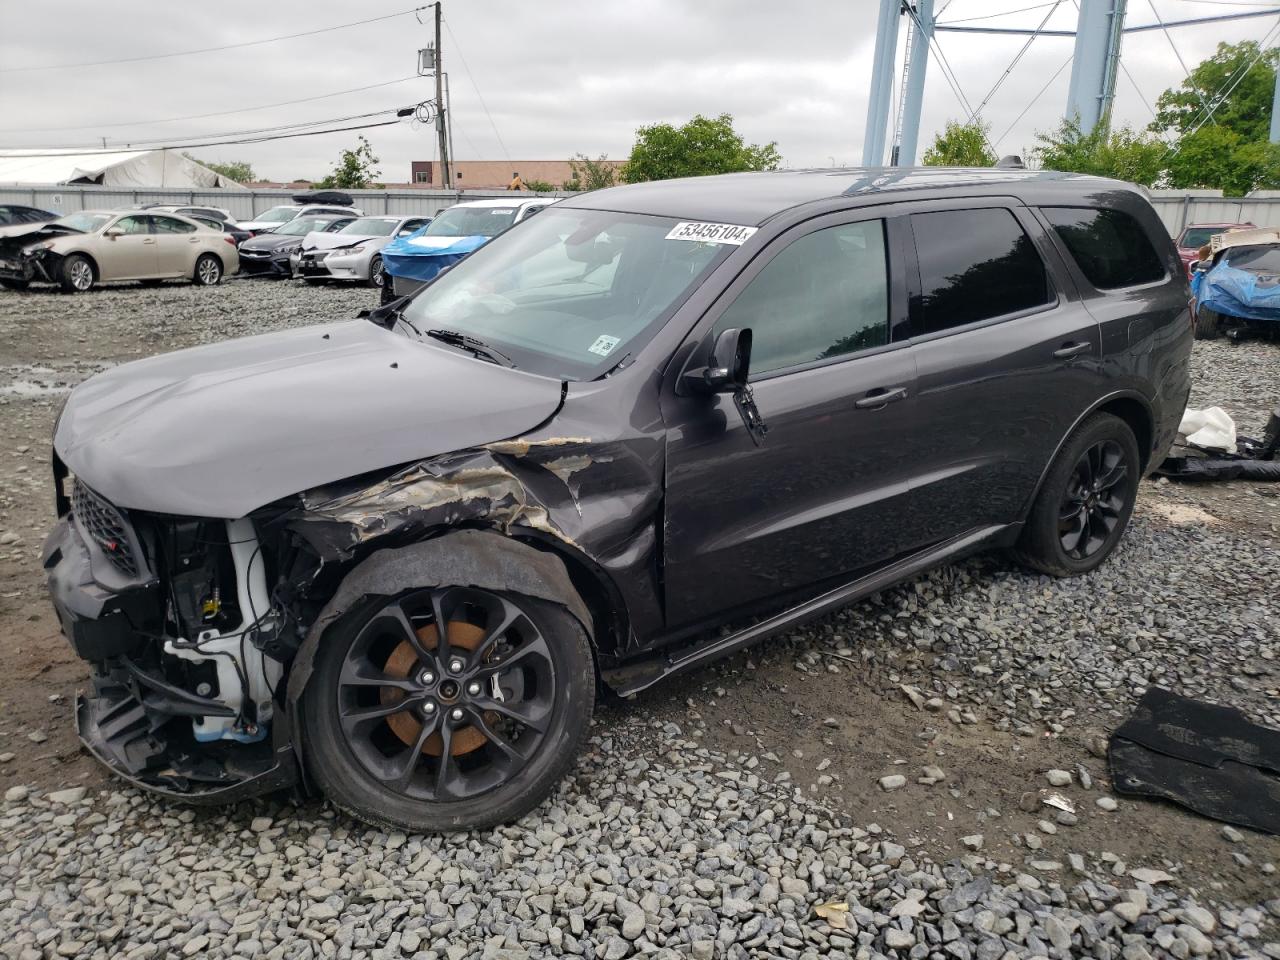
[
  {"x": 1111, "y": 247},
  {"x": 1254, "y": 259},
  {"x": 171, "y": 225},
  {"x": 974, "y": 265},
  {"x": 825, "y": 295}
]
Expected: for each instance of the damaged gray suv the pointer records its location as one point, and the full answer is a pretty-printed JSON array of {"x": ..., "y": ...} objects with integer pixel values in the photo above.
[{"x": 394, "y": 559}]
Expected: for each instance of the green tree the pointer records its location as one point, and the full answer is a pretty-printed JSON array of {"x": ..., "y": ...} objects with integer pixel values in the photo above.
[
  {"x": 700, "y": 147},
  {"x": 1246, "y": 110},
  {"x": 1124, "y": 154},
  {"x": 591, "y": 174},
  {"x": 237, "y": 170},
  {"x": 354, "y": 170},
  {"x": 960, "y": 145}
]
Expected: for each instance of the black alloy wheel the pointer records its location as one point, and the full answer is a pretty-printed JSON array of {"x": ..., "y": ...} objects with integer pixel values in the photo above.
[
  {"x": 1094, "y": 500},
  {"x": 448, "y": 707},
  {"x": 1085, "y": 501}
]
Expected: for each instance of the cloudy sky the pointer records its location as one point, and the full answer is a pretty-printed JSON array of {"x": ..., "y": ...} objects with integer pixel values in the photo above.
[{"x": 556, "y": 77}]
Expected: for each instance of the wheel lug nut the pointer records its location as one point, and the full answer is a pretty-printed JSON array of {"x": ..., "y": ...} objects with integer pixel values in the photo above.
[
  {"x": 473, "y": 689},
  {"x": 456, "y": 665},
  {"x": 426, "y": 677},
  {"x": 429, "y": 707},
  {"x": 457, "y": 713}
]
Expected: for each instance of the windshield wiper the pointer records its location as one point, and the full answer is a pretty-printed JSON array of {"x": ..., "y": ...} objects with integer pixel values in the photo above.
[{"x": 476, "y": 347}]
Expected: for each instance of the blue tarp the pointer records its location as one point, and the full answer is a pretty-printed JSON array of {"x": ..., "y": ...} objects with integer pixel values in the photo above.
[
  {"x": 404, "y": 258},
  {"x": 1236, "y": 293}
]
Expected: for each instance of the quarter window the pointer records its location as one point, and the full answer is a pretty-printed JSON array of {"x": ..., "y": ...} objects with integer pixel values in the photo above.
[
  {"x": 825, "y": 295},
  {"x": 974, "y": 265},
  {"x": 1110, "y": 247}
]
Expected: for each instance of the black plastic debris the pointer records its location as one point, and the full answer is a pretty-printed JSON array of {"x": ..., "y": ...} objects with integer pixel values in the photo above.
[
  {"x": 1253, "y": 459},
  {"x": 1210, "y": 759}
]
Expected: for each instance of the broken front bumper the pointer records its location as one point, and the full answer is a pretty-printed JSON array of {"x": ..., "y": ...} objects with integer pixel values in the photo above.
[
  {"x": 268, "y": 264},
  {"x": 133, "y": 719}
]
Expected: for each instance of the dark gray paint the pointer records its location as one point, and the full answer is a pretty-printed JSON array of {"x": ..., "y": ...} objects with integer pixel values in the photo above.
[{"x": 220, "y": 430}]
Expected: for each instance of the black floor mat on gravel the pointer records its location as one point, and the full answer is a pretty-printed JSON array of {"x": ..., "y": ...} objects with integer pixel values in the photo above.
[{"x": 1207, "y": 758}]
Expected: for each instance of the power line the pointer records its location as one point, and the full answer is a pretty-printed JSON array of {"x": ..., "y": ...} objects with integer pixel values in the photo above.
[
  {"x": 163, "y": 142},
  {"x": 471, "y": 78},
  {"x": 219, "y": 113},
  {"x": 1006, "y": 13},
  {"x": 216, "y": 143},
  {"x": 1014, "y": 62},
  {"x": 228, "y": 46},
  {"x": 1038, "y": 95},
  {"x": 1186, "y": 71}
]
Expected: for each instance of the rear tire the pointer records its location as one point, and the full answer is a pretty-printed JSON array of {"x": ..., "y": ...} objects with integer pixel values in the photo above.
[
  {"x": 1084, "y": 505},
  {"x": 437, "y": 747},
  {"x": 77, "y": 274},
  {"x": 1208, "y": 324},
  {"x": 208, "y": 271}
]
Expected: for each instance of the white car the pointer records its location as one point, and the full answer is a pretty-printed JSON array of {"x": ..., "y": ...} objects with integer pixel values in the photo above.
[
  {"x": 352, "y": 252},
  {"x": 277, "y": 216}
]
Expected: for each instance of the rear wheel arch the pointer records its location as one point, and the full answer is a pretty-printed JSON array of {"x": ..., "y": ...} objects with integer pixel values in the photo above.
[{"x": 1130, "y": 407}]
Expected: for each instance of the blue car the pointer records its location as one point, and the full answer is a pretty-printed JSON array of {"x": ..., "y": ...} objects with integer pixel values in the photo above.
[
  {"x": 1238, "y": 289},
  {"x": 409, "y": 262}
]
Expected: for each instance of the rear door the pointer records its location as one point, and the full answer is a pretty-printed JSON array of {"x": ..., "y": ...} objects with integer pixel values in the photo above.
[
  {"x": 1007, "y": 358},
  {"x": 131, "y": 254},
  {"x": 176, "y": 245},
  {"x": 822, "y": 495}
]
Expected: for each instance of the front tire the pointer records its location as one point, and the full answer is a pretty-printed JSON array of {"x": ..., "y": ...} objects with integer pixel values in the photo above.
[
  {"x": 376, "y": 276},
  {"x": 208, "y": 271},
  {"x": 77, "y": 274},
  {"x": 1208, "y": 324},
  {"x": 1084, "y": 506},
  {"x": 403, "y": 729}
]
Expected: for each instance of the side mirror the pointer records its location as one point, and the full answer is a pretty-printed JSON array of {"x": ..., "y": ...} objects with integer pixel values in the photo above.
[
  {"x": 729, "y": 367},
  {"x": 113, "y": 232}
]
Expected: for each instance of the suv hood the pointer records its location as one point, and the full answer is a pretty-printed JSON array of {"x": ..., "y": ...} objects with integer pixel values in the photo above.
[{"x": 219, "y": 430}]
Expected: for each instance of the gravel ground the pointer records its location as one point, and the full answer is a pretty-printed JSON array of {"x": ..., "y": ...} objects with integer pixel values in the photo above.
[{"x": 892, "y": 758}]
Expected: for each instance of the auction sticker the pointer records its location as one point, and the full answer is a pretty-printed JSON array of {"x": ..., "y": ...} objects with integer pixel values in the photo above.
[
  {"x": 712, "y": 233},
  {"x": 604, "y": 345}
]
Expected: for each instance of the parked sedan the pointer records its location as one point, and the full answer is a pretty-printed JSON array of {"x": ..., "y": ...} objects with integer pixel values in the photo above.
[
  {"x": 82, "y": 249},
  {"x": 267, "y": 254},
  {"x": 229, "y": 227},
  {"x": 352, "y": 253}
]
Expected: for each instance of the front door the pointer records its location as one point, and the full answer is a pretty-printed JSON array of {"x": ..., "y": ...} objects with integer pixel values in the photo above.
[
  {"x": 129, "y": 255},
  {"x": 1007, "y": 356},
  {"x": 820, "y": 497}
]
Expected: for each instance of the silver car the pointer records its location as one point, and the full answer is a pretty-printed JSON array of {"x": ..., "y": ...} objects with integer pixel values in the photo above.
[{"x": 352, "y": 252}]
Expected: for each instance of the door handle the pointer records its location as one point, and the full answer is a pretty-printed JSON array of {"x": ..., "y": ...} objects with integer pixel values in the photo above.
[
  {"x": 1069, "y": 350},
  {"x": 879, "y": 397}
]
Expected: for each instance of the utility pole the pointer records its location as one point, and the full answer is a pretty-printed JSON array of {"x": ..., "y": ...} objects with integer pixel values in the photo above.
[
  {"x": 1275, "y": 112},
  {"x": 441, "y": 129},
  {"x": 913, "y": 95},
  {"x": 881, "y": 92},
  {"x": 1094, "y": 64}
]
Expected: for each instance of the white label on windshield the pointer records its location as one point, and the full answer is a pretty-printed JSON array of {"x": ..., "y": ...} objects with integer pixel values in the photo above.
[
  {"x": 604, "y": 345},
  {"x": 498, "y": 213},
  {"x": 712, "y": 233}
]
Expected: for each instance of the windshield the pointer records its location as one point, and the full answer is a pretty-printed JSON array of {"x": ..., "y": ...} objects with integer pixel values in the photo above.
[
  {"x": 471, "y": 222},
  {"x": 86, "y": 222},
  {"x": 277, "y": 215},
  {"x": 1199, "y": 236},
  {"x": 371, "y": 226},
  {"x": 1255, "y": 259},
  {"x": 571, "y": 292},
  {"x": 301, "y": 227}
]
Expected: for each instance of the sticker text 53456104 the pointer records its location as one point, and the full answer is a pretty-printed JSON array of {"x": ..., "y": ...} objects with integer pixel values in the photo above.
[{"x": 729, "y": 233}]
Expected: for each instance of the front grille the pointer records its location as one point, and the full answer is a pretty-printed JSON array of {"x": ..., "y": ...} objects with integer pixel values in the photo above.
[{"x": 103, "y": 523}]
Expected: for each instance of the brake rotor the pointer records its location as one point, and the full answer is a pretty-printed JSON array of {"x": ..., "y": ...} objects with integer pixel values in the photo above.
[{"x": 403, "y": 661}]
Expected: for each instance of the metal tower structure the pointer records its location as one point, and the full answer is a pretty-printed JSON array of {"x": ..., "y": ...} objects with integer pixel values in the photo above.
[{"x": 1094, "y": 65}]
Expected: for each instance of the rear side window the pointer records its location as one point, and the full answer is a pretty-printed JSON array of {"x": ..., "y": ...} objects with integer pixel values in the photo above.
[
  {"x": 170, "y": 225},
  {"x": 825, "y": 295},
  {"x": 974, "y": 265},
  {"x": 1110, "y": 247}
]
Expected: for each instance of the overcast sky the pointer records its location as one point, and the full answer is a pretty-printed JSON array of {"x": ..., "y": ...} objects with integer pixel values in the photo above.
[{"x": 558, "y": 77}]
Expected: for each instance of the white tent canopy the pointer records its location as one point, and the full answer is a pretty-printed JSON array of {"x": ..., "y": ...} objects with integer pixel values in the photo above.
[{"x": 136, "y": 169}]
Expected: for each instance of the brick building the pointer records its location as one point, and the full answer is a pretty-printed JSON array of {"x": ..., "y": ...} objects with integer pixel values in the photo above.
[{"x": 491, "y": 174}]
